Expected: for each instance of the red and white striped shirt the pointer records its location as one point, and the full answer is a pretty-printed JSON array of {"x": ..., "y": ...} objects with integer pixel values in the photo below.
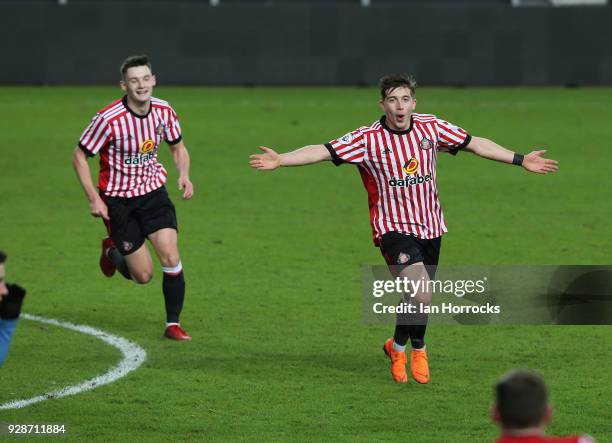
[
  {"x": 398, "y": 169},
  {"x": 128, "y": 144}
]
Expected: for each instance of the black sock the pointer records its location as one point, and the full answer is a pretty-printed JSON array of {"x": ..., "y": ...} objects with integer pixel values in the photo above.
[
  {"x": 402, "y": 320},
  {"x": 401, "y": 335},
  {"x": 417, "y": 336},
  {"x": 411, "y": 326},
  {"x": 174, "y": 295},
  {"x": 116, "y": 257}
]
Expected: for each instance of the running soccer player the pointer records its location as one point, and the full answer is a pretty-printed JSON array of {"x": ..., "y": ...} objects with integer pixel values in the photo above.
[
  {"x": 11, "y": 299},
  {"x": 522, "y": 410},
  {"x": 396, "y": 157},
  {"x": 132, "y": 199}
]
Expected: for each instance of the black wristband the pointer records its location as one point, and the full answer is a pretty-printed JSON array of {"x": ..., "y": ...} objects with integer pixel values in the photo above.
[{"x": 518, "y": 159}]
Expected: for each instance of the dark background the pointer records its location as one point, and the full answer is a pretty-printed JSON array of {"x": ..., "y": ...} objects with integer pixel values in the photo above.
[{"x": 317, "y": 42}]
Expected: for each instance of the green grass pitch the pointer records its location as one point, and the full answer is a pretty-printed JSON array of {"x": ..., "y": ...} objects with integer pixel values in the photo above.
[{"x": 272, "y": 263}]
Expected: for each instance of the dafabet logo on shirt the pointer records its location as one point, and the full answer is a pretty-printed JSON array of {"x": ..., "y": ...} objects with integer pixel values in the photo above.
[
  {"x": 147, "y": 146},
  {"x": 145, "y": 154},
  {"x": 410, "y": 168}
]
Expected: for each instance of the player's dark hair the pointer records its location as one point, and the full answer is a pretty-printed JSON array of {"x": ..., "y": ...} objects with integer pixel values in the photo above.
[
  {"x": 133, "y": 61},
  {"x": 392, "y": 81},
  {"x": 2, "y": 257},
  {"x": 521, "y": 399}
]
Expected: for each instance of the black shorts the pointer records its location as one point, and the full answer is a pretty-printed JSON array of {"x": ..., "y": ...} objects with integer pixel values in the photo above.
[
  {"x": 133, "y": 219},
  {"x": 401, "y": 250}
]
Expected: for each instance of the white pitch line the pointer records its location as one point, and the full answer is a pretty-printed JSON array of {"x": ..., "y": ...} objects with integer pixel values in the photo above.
[{"x": 133, "y": 357}]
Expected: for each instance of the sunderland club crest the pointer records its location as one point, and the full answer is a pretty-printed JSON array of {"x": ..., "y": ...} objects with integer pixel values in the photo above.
[
  {"x": 403, "y": 258},
  {"x": 426, "y": 144}
]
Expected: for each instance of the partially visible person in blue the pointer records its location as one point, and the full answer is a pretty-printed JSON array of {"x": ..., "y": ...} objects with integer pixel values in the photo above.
[{"x": 11, "y": 298}]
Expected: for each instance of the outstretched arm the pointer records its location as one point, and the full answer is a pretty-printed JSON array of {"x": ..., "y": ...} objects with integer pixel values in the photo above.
[
  {"x": 307, "y": 155},
  {"x": 532, "y": 162}
]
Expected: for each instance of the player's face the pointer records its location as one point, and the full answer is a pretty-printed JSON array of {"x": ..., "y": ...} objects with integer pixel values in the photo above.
[
  {"x": 3, "y": 288},
  {"x": 398, "y": 106},
  {"x": 138, "y": 84}
]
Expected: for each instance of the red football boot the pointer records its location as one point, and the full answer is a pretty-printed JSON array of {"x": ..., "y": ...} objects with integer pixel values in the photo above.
[
  {"x": 106, "y": 265},
  {"x": 175, "y": 332}
]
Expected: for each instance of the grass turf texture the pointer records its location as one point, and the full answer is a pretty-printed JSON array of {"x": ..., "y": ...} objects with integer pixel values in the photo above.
[{"x": 272, "y": 263}]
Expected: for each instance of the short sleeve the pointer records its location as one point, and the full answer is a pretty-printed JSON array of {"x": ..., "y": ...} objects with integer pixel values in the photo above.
[
  {"x": 451, "y": 138},
  {"x": 96, "y": 136},
  {"x": 172, "y": 133},
  {"x": 350, "y": 148}
]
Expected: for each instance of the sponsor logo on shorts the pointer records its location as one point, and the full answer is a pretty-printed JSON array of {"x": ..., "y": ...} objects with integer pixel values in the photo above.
[{"x": 127, "y": 246}]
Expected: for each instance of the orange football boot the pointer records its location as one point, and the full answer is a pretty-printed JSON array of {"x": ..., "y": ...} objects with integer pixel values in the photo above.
[
  {"x": 419, "y": 366},
  {"x": 398, "y": 362}
]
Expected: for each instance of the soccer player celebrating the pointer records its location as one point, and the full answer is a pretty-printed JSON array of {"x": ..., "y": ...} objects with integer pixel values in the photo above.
[
  {"x": 522, "y": 410},
  {"x": 132, "y": 198},
  {"x": 396, "y": 157}
]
